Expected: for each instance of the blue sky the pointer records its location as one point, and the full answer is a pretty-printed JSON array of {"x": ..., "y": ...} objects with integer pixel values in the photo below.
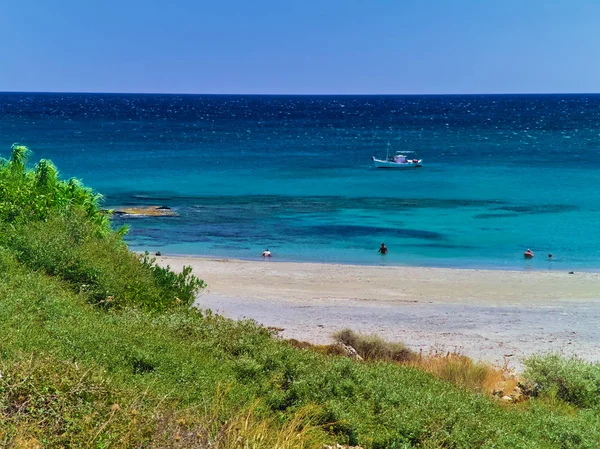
[{"x": 303, "y": 47}]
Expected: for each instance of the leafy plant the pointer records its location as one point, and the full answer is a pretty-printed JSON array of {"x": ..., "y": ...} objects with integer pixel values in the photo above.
[
  {"x": 37, "y": 194},
  {"x": 182, "y": 286},
  {"x": 58, "y": 226},
  {"x": 570, "y": 379}
]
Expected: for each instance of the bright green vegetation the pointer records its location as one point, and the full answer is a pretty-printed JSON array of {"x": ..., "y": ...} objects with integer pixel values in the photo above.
[
  {"x": 571, "y": 380},
  {"x": 98, "y": 348},
  {"x": 57, "y": 226}
]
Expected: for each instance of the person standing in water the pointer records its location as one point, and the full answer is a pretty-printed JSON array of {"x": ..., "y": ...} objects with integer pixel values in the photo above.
[
  {"x": 383, "y": 249},
  {"x": 528, "y": 254},
  {"x": 266, "y": 253}
]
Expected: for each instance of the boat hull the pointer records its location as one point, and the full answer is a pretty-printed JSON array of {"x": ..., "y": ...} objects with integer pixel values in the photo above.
[{"x": 378, "y": 163}]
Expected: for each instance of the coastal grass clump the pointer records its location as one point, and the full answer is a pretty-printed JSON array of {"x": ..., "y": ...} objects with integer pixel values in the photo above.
[
  {"x": 465, "y": 372},
  {"x": 455, "y": 368},
  {"x": 373, "y": 347}
]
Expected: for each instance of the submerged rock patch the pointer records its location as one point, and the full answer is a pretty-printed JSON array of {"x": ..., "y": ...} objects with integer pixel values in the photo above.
[{"x": 146, "y": 211}]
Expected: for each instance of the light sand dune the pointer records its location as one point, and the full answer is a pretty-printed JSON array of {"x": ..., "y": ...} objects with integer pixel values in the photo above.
[{"x": 485, "y": 314}]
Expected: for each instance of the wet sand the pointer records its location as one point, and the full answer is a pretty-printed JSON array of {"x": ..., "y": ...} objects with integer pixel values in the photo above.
[{"x": 495, "y": 316}]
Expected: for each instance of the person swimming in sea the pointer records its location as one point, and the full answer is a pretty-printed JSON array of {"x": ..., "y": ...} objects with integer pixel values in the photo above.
[
  {"x": 383, "y": 249},
  {"x": 266, "y": 253},
  {"x": 528, "y": 254}
]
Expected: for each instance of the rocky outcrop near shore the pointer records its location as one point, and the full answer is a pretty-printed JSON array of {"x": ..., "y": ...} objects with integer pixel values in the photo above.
[{"x": 146, "y": 211}]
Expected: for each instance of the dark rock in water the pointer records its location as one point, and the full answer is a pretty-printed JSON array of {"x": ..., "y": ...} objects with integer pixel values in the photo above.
[{"x": 163, "y": 208}]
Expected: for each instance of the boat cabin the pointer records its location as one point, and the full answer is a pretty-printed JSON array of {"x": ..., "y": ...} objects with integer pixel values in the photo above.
[{"x": 398, "y": 158}]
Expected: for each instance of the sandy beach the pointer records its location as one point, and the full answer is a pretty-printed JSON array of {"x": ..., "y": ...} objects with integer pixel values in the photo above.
[{"x": 495, "y": 316}]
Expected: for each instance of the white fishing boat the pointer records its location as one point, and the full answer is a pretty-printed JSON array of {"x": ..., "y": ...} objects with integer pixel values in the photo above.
[{"x": 398, "y": 160}]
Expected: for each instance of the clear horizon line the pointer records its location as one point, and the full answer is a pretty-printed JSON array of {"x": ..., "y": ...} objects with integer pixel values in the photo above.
[{"x": 290, "y": 94}]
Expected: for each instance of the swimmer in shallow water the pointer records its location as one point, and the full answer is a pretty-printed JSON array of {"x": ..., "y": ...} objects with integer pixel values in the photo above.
[
  {"x": 266, "y": 253},
  {"x": 528, "y": 254},
  {"x": 383, "y": 249}
]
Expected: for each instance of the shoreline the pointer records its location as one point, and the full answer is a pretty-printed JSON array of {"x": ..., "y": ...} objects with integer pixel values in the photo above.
[
  {"x": 489, "y": 315},
  {"x": 526, "y": 267}
]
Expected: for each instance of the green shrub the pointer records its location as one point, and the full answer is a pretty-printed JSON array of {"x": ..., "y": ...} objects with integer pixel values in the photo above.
[
  {"x": 569, "y": 379},
  {"x": 182, "y": 286},
  {"x": 57, "y": 226},
  {"x": 37, "y": 194}
]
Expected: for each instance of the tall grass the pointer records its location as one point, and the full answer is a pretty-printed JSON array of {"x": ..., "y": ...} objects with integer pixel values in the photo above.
[
  {"x": 464, "y": 372},
  {"x": 455, "y": 368},
  {"x": 373, "y": 347}
]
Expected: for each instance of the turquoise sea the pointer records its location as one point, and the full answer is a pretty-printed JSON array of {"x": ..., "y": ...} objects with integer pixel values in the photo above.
[{"x": 502, "y": 173}]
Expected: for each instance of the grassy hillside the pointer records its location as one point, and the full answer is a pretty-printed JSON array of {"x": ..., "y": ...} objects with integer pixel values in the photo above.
[{"x": 99, "y": 348}]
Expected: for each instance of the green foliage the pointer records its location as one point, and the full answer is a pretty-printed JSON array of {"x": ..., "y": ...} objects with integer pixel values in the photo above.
[
  {"x": 27, "y": 195},
  {"x": 181, "y": 286},
  {"x": 100, "y": 268},
  {"x": 57, "y": 226},
  {"x": 571, "y": 380}
]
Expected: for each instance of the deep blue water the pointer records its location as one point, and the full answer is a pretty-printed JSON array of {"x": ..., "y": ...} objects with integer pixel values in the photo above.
[{"x": 502, "y": 173}]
